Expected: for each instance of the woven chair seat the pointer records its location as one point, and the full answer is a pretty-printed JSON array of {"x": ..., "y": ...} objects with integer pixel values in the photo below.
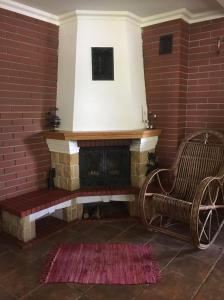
[{"x": 177, "y": 209}]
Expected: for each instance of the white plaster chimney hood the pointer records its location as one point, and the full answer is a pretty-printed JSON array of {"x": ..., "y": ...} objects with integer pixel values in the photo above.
[{"x": 88, "y": 105}]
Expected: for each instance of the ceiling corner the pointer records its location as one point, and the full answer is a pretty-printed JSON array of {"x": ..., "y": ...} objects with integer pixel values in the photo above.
[{"x": 29, "y": 11}]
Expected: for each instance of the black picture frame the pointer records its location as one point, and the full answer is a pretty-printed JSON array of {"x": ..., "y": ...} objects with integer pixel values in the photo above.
[{"x": 102, "y": 63}]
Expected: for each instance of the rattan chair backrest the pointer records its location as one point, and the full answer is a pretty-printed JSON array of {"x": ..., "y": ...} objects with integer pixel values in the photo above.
[{"x": 201, "y": 155}]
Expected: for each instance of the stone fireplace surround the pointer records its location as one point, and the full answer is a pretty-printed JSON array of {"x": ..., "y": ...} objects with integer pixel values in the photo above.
[{"x": 64, "y": 148}]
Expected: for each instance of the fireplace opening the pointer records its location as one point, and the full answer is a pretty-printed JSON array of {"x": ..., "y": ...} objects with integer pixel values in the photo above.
[{"x": 104, "y": 166}]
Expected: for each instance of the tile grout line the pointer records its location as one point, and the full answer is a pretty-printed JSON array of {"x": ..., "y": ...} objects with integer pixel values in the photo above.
[
  {"x": 162, "y": 269},
  {"x": 13, "y": 296},
  {"x": 207, "y": 276},
  {"x": 31, "y": 291},
  {"x": 172, "y": 259},
  {"x": 85, "y": 293},
  {"x": 119, "y": 234},
  {"x": 7, "y": 275},
  {"x": 140, "y": 292}
]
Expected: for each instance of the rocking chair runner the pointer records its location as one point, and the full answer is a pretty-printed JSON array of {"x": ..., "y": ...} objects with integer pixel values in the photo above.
[{"x": 196, "y": 197}]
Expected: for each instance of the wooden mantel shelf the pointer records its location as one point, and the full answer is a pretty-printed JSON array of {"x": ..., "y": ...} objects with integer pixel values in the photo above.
[{"x": 101, "y": 135}]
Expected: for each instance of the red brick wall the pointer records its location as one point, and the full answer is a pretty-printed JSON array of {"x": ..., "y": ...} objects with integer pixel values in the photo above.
[
  {"x": 28, "y": 78},
  {"x": 186, "y": 88},
  {"x": 205, "y": 99},
  {"x": 166, "y": 84}
]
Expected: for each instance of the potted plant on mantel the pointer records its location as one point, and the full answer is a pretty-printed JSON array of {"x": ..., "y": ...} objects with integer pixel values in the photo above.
[{"x": 53, "y": 120}]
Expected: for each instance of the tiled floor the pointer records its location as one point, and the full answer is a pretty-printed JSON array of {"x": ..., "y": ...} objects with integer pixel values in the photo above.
[{"x": 186, "y": 272}]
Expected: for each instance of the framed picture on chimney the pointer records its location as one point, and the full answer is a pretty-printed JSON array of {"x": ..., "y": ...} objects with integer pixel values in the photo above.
[{"x": 102, "y": 63}]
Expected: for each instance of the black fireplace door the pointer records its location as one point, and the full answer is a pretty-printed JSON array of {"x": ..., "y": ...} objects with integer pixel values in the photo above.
[{"x": 104, "y": 166}]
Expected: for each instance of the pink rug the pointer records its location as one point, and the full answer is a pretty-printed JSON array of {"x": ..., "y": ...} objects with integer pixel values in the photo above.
[{"x": 101, "y": 264}]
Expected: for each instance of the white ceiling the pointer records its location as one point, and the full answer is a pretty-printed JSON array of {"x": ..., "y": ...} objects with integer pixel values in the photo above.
[{"x": 143, "y": 8}]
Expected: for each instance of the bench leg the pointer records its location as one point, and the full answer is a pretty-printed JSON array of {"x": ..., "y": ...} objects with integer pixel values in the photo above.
[
  {"x": 73, "y": 212},
  {"x": 21, "y": 228}
]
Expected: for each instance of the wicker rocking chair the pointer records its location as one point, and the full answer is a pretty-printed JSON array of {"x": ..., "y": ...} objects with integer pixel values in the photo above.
[{"x": 196, "y": 195}]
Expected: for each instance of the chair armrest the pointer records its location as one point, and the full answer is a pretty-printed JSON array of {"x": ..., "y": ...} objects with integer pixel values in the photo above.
[
  {"x": 206, "y": 181},
  {"x": 203, "y": 185},
  {"x": 150, "y": 177},
  {"x": 220, "y": 175}
]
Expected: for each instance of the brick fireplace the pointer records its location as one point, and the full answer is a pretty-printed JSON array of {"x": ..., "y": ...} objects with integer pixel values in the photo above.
[
  {"x": 101, "y": 115},
  {"x": 65, "y": 158}
]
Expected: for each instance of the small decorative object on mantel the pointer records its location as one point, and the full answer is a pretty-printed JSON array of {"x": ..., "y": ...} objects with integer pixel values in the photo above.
[
  {"x": 150, "y": 122},
  {"x": 53, "y": 121}
]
